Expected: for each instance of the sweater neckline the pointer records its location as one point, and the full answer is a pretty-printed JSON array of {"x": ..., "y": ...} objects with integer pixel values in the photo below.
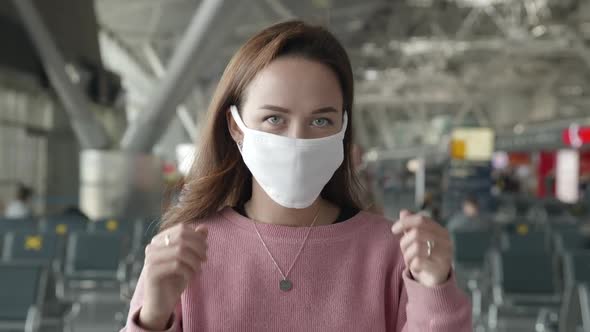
[{"x": 347, "y": 228}]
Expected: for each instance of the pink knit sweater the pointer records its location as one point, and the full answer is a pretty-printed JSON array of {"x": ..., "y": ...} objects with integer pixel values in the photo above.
[{"x": 350, "y": 277}]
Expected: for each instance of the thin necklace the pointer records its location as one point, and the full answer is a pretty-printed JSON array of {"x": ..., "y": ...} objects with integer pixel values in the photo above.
[{"x": 285, "y": 284}]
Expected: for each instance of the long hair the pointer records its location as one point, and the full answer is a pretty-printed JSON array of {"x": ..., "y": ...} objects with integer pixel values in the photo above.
[{"x": 219, "y": 177}]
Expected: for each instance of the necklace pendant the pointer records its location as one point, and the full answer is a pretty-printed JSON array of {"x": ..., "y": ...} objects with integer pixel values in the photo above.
[{"x": 285, "y": 285}]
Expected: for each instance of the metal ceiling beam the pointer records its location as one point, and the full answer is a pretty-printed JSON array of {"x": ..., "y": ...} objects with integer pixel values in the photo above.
[
  {"x": 501, "y": 22},
  {"x": 465, "y": 28},
  {"x": 182, "y": 111},
  {"x": 404, "y": 100},
  {"x": 217, "y": 38},
  {"x": 432, "y": 152},
  {"x": 482, "y": 116},
  {"x": 131, "y": 7},
  {"x": 147, "y": 129},
  {"x": 117, "y": 57},
  {"x": 137, "y": 81},
  {"x": 580, "y": 46},
  {"x": 459, "y": 117},
  {"x": 89, "y": 132},
  {"x": 359, "y": 9},
  {"x": 280, "y": 9},
  {"x": 416, "y": 46}
]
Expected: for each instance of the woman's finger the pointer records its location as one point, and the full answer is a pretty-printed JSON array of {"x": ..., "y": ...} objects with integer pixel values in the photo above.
[
  {"x": 416, "y": 235},
  {"x": 166, "y": 254},
  {"x": 420, "y": 249}
]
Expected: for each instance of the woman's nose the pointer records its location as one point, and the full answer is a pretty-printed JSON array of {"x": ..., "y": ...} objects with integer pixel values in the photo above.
[{"x": 297, "y": 130}]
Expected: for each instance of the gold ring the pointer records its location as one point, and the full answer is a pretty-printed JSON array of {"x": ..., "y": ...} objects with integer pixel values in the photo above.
[{"x": 167, "y": 240}]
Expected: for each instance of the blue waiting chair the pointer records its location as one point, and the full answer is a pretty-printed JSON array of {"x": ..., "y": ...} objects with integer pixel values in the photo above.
[
  {"x": 571, "y": 239},
  {"x": 18, "y": 224},
  {"x": 577, "y": 267},
  {"x": 94, "y": 266},
  {"x": 112, "y": 225},
  {"x": 63, "y": 225},
  {"x": 525, "y": 241},
  {"x": 22, "y": 292},
  {"x": 518, "y": 295},
  {"x": 43, "y": 249},
  {"x": 30, "y": 246}
]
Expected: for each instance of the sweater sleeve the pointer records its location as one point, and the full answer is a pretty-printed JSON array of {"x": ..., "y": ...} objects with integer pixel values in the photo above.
[
  {"x": 444, "y": 308},
  {"x": 132, "y": 325}
]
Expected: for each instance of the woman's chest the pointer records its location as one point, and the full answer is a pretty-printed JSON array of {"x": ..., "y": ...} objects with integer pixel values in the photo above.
[{"x": 239, "y": 289}]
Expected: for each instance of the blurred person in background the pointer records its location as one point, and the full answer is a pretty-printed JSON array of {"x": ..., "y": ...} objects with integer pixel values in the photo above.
[
  {"x": 74, "y": 211},
  {"x": 20, "y": 206},
  {"x": 468, "y": 217},
  {"x": 507, "y": 181}
]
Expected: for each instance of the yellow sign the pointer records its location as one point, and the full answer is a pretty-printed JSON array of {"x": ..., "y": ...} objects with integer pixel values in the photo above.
[
  {"x": 33, "y": 242},
  {"x": 112, "y": 225},
  {"x": 61, "y": 229},
  {"x": 522, "y": 229},
  {"x": 458, "y": 149},
  {"x": 472, "y": 143}
]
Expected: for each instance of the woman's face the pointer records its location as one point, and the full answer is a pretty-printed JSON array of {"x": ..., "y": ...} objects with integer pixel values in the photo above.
[{"x": 293, "y": 97}]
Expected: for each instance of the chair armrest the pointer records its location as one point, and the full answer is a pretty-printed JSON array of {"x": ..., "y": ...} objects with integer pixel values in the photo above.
[
  {"x": 493, "y": 316},
  {"x": 497, "y": 294},
  {"x": 60, "y": 287},
  {"x": 72, "y": 312},
  {"x": 33, "y": 319},
  {"x": 122, "y": 271}
]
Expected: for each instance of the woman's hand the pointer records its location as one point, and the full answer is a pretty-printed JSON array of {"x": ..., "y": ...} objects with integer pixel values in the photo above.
[
  {"x": 172, "y": 259},
  {"x": 426, "y": 247}
]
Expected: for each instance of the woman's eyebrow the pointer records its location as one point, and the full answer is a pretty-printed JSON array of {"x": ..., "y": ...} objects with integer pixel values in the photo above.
[
  {"x": 325, "y": 110},
  {"x": 285, "y": 110},
  {"x": 275, "y": 108}
]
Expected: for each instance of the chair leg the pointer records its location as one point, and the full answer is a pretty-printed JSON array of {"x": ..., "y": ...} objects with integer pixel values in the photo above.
[{"x": 493, "y": 317}]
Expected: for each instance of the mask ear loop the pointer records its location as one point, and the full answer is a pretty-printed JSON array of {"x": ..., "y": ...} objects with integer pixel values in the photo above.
[
  {"x": 236, "y": 115},
  {"x": 345, "y": 121},
  {"x": 239, "y": 122}
]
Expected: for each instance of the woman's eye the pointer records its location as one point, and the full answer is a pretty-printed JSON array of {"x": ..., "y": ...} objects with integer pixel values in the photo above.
[
  {"x": 273, "y": 120},
  {"x": 323, "y": 122}
]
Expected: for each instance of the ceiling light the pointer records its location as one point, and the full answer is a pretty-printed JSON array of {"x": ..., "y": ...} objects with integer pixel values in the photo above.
[
  {"x": 371, "y": 74},
  {"x": 519, "y": 129},
  {"x": 539, "y": 30}
]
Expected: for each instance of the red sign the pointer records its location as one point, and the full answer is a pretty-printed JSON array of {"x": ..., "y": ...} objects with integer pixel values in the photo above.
[{"x": 576, "y": 136}]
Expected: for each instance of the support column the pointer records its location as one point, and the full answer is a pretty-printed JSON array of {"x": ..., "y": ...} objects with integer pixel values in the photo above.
[
  {"x": 420, "y": 175},
  {"x": 147, "y": 129},
  {"x": 182, "y": 111},
  {"x": 90, "y": 133}
]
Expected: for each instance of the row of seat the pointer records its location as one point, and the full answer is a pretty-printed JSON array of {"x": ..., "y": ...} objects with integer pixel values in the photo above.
[
  {"x": 64, "y": 262},
  {"x": 22, "y": 296},
  {"x": 521, "y": 270},
  {"x": 61, "y": 225}
]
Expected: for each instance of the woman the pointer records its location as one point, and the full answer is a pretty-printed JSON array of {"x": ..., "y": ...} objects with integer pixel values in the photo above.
[{"x": 268, "y": 234}]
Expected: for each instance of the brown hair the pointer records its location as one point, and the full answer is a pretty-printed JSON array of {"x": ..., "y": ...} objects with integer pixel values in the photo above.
[{"x": 219, "y": 177}]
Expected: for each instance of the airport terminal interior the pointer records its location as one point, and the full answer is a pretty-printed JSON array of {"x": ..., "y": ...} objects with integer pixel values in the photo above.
[{"x": 475, "y": 113}]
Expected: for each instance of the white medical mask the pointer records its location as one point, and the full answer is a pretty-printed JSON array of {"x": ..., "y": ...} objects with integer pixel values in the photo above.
[{"x": 292, "y": 171}]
